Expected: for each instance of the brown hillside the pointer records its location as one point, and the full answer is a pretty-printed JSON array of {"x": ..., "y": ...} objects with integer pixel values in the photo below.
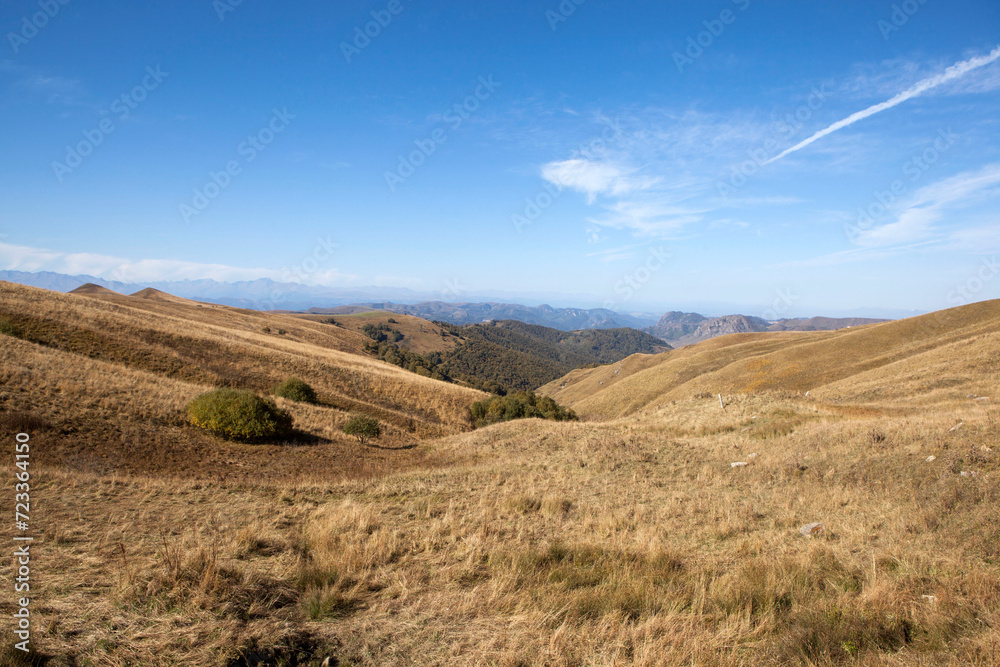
[
  {"x": 113, "y": 377},
  {"x": 809, "y": 361}
]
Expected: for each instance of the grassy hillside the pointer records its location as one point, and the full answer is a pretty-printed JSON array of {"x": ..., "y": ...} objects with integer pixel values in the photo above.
[
  {"x": 628, "y": 540},
  {"x": 906, "y": 360},
  {"x": 503, "y": 356},
  {"x": 107, "y": 372},
  {"x": 508, "y": 356},
  {"x": 419, "y": 335}
]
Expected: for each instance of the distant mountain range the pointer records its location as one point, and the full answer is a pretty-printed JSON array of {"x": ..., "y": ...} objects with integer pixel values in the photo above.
[
  {"x": 676, "y": 328},
  {"x": 260, "y": 294},
  {"x": 266, "y": 294},
  {"x": 681, "y": 329},
  {"x": 565, "y": 319}
]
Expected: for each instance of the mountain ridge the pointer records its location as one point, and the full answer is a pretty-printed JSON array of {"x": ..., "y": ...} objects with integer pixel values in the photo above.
[{"x": 681, "y": 329}]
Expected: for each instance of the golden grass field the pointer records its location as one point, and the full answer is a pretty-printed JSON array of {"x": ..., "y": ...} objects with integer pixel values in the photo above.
[{"x": 624, "y": 539}]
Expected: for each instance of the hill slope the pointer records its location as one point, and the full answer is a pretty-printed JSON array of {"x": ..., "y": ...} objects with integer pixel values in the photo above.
[
  {"x": 501, "y": 356},
  {"x": 894, "y": 359},
  {"x": 112, "y": 371}
]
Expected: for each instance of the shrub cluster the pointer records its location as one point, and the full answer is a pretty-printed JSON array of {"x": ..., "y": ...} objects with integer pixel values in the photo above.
[
  {"x": 295, "y": 389},
  {"x": 382, "y": 333},
  {"x": 521, "y": 405},
  {"x": 237, "y": 414}
]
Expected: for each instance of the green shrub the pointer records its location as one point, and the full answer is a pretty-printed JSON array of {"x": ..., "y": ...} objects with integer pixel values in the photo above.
[
  {"x": 522, "y": 405},
  {"x": 363, "y": 428},
  {"x": 295, "y": 389},
  {"x": 238, "y": 415}
]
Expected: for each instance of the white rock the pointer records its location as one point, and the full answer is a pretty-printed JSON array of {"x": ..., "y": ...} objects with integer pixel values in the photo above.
[
  {"x": 752, "y": 456},
  {"x": 812, "y": 529},
  {"x": 738, "y": 464},
  {"x": 931, "y": 458}
]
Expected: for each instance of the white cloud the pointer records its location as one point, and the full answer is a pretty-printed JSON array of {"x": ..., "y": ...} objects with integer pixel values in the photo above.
[
  {"x": 24, "y": 258},
  {"x": 594, "y": 178}
]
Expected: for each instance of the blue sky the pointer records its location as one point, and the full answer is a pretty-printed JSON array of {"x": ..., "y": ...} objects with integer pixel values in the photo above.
[{"x": 628, "y": 154}]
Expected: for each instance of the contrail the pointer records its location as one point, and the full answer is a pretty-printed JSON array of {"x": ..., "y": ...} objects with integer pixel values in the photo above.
[{"x": 955, "y": 71}]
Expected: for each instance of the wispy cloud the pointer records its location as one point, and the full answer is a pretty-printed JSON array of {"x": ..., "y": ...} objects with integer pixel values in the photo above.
[
  {"x": 921, "y": 222},
  {"x": 916, "y": 220},
  {"x": 37, "y": 83},
  {"x": 595, "y": 178},
  {"x": 24, "y": 258},
  {"x": 615, "y": 254},
  {"x": 953, "y": 73},
  {"x": 650, "y": 217}
]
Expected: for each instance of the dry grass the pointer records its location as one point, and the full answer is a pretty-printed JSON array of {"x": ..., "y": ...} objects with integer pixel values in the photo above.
[{"x": 629, "y": 541}]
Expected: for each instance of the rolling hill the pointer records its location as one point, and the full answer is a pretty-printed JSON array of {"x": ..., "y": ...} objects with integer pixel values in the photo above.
[
  {"x": 914, "y": 357},
  {"x": 105, "y": 370}
]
